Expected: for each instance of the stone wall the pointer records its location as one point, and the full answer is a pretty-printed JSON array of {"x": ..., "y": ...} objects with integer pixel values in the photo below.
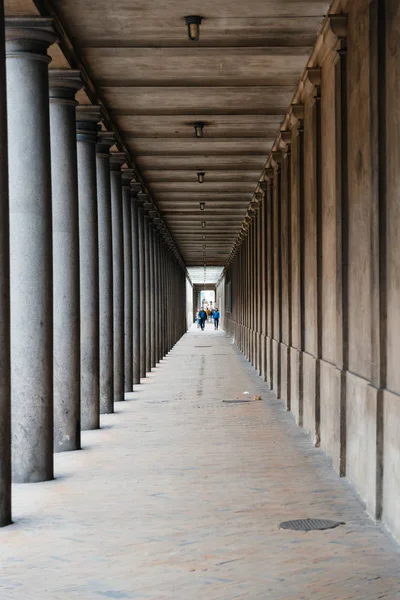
[{"x": 316, "y": 280}]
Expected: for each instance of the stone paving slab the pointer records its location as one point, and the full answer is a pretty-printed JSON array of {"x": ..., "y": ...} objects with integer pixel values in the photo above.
[{"x": 180, "y": 495}]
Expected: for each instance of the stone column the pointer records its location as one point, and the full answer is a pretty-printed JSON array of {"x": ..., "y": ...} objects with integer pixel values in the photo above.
[
  {"x": 147, "y": 292},
  {"x": 117, "y": 160},
  {"x": 27, "y": 40},
  {"x": 152, "y": 298},
  {"x": 105, "y": 140},
  {"x": 87, "y": 118},
  {"x": 127, "y": 175},
  {"x": 63, "y": 86},
  {"x": 142, "y": 293},
  {"x": 5, "y": 391},
  {"x": 135, "y": 189},
  {"x": 157, "y": 295}
]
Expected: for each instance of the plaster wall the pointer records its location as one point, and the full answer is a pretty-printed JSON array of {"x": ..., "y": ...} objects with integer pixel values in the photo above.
[
  {"x": 359, "y": 188},
  {"x": 189, "y": 304},
  {"x": 328, "y": 209}
]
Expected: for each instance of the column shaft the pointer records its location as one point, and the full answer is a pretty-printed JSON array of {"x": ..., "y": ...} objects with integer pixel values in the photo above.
[
  {"x": 87, "y": 119},
  {"x": 147, "y": 292},
  {"x": 104, "y": 142},
  {"x": 135, "y": 291},
  {"x": 128, "y": 314},
  {"x": 30, "y": 247},
  {"x": 65, "y": 218},
  {"x": 142, "y": 291},
  {"x": 5, "y": 391},
  {"x": 118, "y": 273},
  {"x": 152, "y": 298}
]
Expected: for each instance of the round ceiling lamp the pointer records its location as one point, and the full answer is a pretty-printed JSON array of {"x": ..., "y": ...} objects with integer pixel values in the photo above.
[{"x": 200, "y": 176}]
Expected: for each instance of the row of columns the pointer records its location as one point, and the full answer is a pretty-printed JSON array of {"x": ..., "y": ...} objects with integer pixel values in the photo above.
[{"x": 89, "y": 278}]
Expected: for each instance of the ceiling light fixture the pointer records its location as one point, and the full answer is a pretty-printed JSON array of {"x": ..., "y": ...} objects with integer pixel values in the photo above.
[
  {"x": 204, "y": 236},
  {"x": 193, "y": 24},
  {"x": 203, "y": 224},
  {"x": 202, "y": 205},
  {"x": 198, "y": 129},
  {"x": 200, "y": 176}
]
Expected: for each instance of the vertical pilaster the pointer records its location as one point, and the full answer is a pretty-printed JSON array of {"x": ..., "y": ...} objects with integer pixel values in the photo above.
[
  {"x": 105, "y": 140},
  {"x": 342, "y": 220},
  {"x": 277, "y": 272},
  {"x": 87, "y": 118},
  {"x": 65, "y": 229},
  {"x": 5, "y": 367},
  {"x": 27, "y": 41},
  {"x": 298, "y": 229},
  {"x": 117, "y": 160},
  {"x": 270, "y": 274}
]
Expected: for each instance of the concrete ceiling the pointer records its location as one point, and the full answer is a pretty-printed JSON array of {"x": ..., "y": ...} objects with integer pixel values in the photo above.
[
  {"x": 199, "y": 275},
  {"x": 239, "y": 78}
]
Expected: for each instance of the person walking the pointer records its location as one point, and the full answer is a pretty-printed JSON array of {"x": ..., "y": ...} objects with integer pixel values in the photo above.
[
  {"x": 216, "y": 317},
  {"x": 202, "y": 317}
]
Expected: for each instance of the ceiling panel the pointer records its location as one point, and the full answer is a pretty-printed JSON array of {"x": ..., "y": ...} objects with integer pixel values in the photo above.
[{"x": 238, "y": 79}]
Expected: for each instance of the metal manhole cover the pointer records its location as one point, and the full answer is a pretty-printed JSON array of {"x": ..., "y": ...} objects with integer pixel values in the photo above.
[
  {"x": 236, "y": 401},
  {"x": 310, "y": 524}
]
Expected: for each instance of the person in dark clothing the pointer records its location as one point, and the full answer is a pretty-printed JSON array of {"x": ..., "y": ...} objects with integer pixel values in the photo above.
[
  {"x": 203, "y": 318},
  {"x": 216, "y": 317}
]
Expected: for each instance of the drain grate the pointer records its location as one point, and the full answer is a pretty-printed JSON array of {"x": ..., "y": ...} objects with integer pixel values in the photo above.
[
  {"x": 203, "y": 346},
  {"x": 310, "y": 524}
]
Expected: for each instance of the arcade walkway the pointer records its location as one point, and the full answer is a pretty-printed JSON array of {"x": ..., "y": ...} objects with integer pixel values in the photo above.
[{"x": 180, "y": 494}]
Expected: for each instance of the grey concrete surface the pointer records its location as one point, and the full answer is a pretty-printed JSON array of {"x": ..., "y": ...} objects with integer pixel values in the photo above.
[{"x": 181, "y": 493}]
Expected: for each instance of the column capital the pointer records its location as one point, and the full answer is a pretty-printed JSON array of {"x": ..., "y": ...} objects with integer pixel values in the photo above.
[
  {"x": 298, "y": 111},
  {"x": 29, "y": 36},
  {"x": 338, "y": 25},
  {"x": 136, "y": 188},
  {"x": 117, "y": 159},
  {"x": 127, "y": 176},
  {"x": 314, "y": 75},
  {"x": 87, "y": 118},
  {"x": 286, "y": 137},
  {"x": 269, "y": 173},
  {"x": 105, "y": 139},
  {"x": 277, "y": 158},
  {"x": 63, "y": 85}
]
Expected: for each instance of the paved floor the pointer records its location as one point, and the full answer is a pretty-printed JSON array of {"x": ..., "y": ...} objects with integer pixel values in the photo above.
[{"x": 180, "y": 494}]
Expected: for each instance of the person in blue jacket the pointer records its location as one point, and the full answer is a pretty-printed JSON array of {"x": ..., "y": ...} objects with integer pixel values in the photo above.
[
  {"x": 216, "y": 317},
  {"x": 202, "y": 317}
]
